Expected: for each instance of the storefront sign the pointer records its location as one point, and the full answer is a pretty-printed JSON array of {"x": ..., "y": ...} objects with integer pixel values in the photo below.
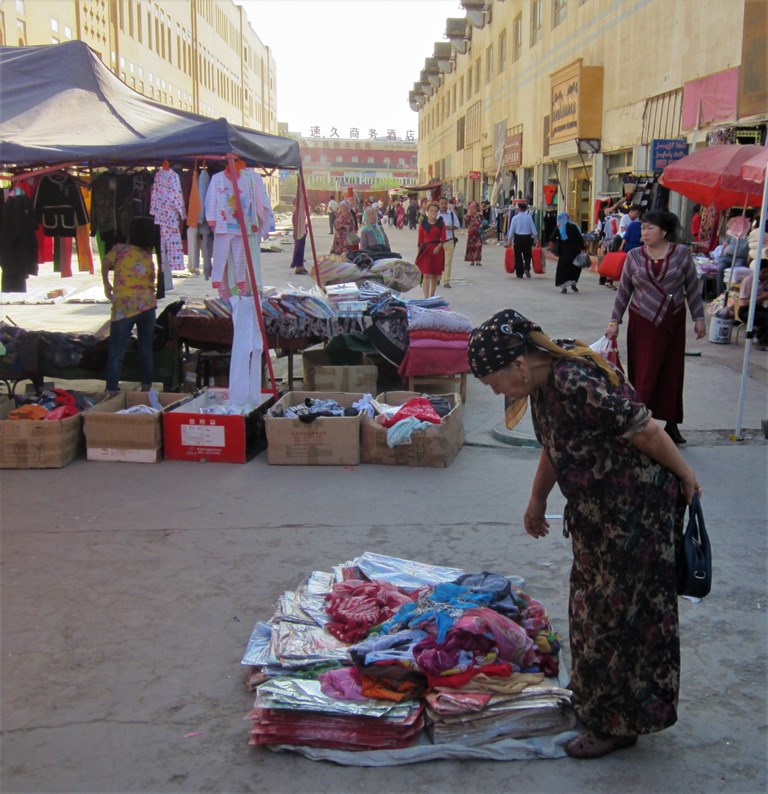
[
  {"x": 474, "y": 175},
  {"x": 665, "y": 151},
  {"x": 513, "y": 151},
  {"x": 576, "y": 103}
]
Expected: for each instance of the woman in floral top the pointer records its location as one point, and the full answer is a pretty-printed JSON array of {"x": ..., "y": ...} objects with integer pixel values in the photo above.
[
  {"x": 133, "y": 301},
  {"x": 626, "y": 487}
]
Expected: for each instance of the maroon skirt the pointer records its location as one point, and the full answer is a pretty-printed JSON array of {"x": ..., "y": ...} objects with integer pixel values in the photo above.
[{"x": 656, "y": 363}]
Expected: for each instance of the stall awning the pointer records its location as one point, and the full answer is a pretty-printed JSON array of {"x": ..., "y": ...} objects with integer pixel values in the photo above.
[
  {"x": 60, "y": 103},
  {"x": 428, "y": 186}
]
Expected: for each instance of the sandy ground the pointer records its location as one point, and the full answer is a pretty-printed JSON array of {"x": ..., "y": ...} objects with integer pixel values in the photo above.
[{"x": 129, "y": 591}]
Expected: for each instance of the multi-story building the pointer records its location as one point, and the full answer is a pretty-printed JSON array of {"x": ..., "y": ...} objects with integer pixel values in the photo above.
[
  {"x": 197, "y": 55},
  {"x": 337, "y": 163},
  {"x": 566, "y": 100}
]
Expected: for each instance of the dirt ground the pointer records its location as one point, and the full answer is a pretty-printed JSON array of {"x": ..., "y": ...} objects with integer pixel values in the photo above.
[{"x": 129, "y": 591}]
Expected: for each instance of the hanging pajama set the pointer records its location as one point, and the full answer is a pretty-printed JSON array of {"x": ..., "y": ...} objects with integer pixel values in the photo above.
[
  {"x": 167, "y": 207},
  {"x": 199, "y": 237},
  {"x": 230, "y": 277}
]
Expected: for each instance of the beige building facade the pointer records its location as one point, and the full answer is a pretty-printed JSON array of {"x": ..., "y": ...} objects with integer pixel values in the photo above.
[
  {"x": 196, "y": 55},
  {"x": 565, "y": 101}
]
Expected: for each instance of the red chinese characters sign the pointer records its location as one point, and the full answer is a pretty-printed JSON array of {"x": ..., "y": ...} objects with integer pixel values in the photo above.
[
  {"x": 513, "y": 150},
  {"x": 474, "y": 175}
]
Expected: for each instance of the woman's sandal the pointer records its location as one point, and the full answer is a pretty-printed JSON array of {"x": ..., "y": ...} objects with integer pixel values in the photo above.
[
  {"x": 300, "y": 271},
  {"x": 589, "y": 745}
]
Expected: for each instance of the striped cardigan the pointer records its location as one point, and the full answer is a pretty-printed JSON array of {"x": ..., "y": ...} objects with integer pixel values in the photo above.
[{"x": 653, "y": 296}]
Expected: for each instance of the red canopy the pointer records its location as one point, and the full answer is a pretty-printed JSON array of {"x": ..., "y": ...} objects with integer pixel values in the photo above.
[{"x": 712, "y": 176}]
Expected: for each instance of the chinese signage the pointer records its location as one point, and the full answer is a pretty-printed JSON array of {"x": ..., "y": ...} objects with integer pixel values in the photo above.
[
  {"x": 665, "y": 151},
  {"x": 576, "y": 102},
  {"x": 513, "y": 150},
  {"x": 474, "y": 175},
  {"x": 354, "y": 134}
]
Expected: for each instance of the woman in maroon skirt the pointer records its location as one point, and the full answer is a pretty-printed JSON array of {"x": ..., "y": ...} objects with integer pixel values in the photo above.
[
  {"x": 474, "y": 223},
  {"x": 659, "y": 277},
  {"x": 431, "y": 259}
]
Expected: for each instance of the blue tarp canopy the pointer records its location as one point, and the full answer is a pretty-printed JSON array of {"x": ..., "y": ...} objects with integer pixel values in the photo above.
[{"x": 61, "y": 104}]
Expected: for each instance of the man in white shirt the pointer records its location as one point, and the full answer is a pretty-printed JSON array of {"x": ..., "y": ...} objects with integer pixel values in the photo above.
[
  {"x": 333, "y": 208},
  {"x": 522, "y": 234},
  {"x": 451, "y": 221}
]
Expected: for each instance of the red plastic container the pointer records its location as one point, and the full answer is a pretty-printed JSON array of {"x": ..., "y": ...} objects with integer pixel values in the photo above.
[
  {"x": 612, "y": 265},
  {"x": 509, "y": 260},
  {"x": 537, "y": 260}
]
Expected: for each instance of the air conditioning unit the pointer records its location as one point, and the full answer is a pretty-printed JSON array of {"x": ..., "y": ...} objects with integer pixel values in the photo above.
[
  {"x": 478, "y": 12},
  {"x": 459, "y": 34}
]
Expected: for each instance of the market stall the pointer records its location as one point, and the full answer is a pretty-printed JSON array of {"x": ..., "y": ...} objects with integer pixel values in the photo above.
[{"x": 65, "y": 114}]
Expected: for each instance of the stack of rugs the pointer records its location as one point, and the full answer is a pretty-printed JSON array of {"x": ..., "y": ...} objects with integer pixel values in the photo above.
[
  {"x": 385, "y": 654},
  {"x": 437, "y": 343}
]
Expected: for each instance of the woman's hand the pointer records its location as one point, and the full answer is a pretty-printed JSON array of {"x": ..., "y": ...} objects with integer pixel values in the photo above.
[
  {"x": 689, "y": 485},
  {"x": 700, "y": 328},
  {"x": 611, "y": 331},
  {"x": 534, "y": 520}
]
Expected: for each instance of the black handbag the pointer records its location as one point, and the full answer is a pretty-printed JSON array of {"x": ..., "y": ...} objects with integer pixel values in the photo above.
[{"x": 694, "y": 560}]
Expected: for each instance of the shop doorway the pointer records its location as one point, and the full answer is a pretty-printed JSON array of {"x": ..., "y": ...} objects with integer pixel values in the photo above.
[{"x": 579, "y": 190}]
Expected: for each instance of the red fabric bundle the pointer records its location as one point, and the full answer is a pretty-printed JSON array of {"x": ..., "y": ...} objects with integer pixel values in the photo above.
[
  {"x": 356, "y": 607},
  {"x": 418, "y": 407}
]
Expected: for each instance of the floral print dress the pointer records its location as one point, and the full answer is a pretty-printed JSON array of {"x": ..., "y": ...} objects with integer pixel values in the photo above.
[
  {"x": 474, "y": 252},
  {"x": 624, "y": 513}
]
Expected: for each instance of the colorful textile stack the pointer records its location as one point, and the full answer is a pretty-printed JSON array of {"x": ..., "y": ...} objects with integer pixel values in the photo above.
[
  {"x": 362, "y": 658},
  {"x": 437, "y": 343},
  {"x": 49, "y": 405}
]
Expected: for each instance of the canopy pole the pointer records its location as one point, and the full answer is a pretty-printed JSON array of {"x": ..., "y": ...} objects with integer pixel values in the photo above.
[
  {"x": 233, "y": 176},
  {"x": 737, "y": 436},
  {"x": 311, "y": 234}
]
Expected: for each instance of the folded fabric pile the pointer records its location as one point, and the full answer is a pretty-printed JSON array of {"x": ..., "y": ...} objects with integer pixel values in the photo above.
[
  {"x": 364, "y": 657},
  {"x": 50, "y": 405},
  {"x": 438, "y": 340},
  {"x": 312, "y": 408},
  {"x": 418, "y": 413},
  {"x": 396, "y": 273}
]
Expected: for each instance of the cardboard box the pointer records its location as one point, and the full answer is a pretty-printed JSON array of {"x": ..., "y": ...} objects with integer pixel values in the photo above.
[
  {"x": 216, "y": 438},
  {"x": 332, "y": 441},
  {"x": 39, "y": 444},
  {"x": 134, "y": 438},
  {"x": 320, "y": 374},
  {"x": 435, "y": 447}
]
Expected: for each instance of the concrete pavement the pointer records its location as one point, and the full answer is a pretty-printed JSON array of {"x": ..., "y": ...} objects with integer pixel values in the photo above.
[{"x": 129, "y": 591}]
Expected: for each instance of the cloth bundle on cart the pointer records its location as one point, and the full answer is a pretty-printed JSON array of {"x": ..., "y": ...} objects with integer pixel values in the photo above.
[{"x": 386, "y": 661}]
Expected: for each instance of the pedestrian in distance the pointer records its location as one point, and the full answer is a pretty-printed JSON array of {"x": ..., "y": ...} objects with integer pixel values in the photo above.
[
  {"x": 474, "y": 223},
  {"x": 626, "y": 487},
  {"x": 567, "y": 243}
]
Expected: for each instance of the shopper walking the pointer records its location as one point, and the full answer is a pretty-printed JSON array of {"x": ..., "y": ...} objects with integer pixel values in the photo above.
[
  {"x": 412, "y": 213},
  {"x": 451, "y": 220},
  {"x": 333, "y": 208},
  {"x": 626, "y": 486},
  {"x": 567, "y": 243},
  {"x": 657, "y": 280},
  {"x": 344, "y": 228},
  {"x": 474, "y": 223},
  {"x": 522, "y": 234},
  {"x": 431, "y": 258}
]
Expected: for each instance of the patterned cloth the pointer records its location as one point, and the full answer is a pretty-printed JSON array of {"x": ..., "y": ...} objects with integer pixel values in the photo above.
[
  {"x": 474, "y": 252},
  {"x": 134, "y": 281},
  {"x": 343, "y": 225},
  {"x": 167, "y": 207},
  {"x": 624, "y": 514}
]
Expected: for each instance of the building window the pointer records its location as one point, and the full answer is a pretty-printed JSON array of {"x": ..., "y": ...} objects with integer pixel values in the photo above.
[
  {"x": 537, "y": 14},
  {"x": 517, "y": 37},
  {"x": 307, "y": 159},
  {"x": 355, "y": 159},
  {"x": 370, "y": 160},
  {"x": 502, "y": 50},
  {"x": 122, "y": 62},
  {"x": 559, "y": 10},
  {"x": 55, "y": 25},
  {"x": 339, "y": 158},
  {"x": 477, "y": 76},
  {"x": 469, "y": 84},
  {"x": 401, "y": 161},
  {"x": 414, "y": 160},
  {"x": 455, "y": 106},
  {"x": 54, "y": 40},
  {"x": 19, "y": 6},
  {"x": 67, "y": 32},
  {"x": 460, "y": 134},
  {"x": 489, "y": 64}
]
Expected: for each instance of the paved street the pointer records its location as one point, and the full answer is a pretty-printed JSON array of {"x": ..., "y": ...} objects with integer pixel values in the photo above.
[{"x": 129, "y": 591}]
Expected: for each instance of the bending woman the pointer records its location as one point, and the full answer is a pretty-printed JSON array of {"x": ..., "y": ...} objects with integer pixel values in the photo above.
[{"x": 626, "y": 487}]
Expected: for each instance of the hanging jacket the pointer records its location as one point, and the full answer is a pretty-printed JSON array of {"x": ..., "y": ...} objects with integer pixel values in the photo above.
[
  {"x": 18, "y": 243},
  {"x": 59, "y": 205}
]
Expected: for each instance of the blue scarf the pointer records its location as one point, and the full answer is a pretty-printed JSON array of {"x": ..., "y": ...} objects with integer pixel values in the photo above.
[{"x": 562, "y": 225}]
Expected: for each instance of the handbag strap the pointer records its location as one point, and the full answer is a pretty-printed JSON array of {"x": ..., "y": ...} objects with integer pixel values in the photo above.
[{"x": 696, "y": 518}]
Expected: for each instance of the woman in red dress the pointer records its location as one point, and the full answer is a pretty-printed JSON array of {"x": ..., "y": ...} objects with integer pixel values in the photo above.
[{"x": 431, "y": 260}]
